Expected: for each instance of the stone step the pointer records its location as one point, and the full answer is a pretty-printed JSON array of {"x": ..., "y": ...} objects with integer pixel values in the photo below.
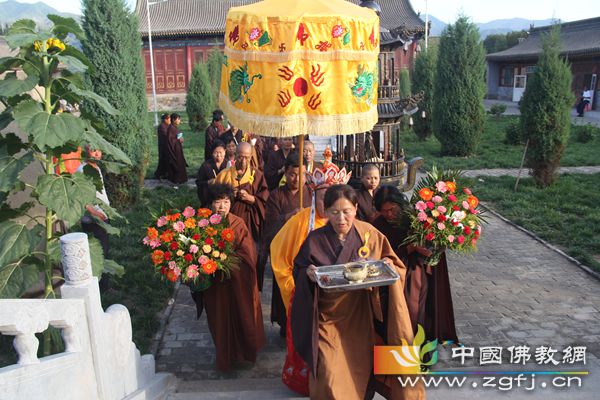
[{"x": 259, "y": 389}]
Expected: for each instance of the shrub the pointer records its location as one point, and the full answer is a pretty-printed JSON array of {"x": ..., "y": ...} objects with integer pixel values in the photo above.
[
  {"x": 199, "y": 102},
  {"x": 514, "y": 136},
  {"x": 113, "y": 47},
  {"x": 458, "y": 113},
  {"x": 497, "y": 110},
  {"x": 585, "y": 133},
  {"x": 545, "y": 110},
  {"x": 423, "y": 81}
]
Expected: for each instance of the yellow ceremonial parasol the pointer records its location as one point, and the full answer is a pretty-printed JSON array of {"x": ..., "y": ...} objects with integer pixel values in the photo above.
[{"x": 297, "y": 67}]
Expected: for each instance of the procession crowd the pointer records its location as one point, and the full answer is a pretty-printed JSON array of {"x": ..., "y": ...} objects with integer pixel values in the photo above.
[{"x": 257, "y": 184}]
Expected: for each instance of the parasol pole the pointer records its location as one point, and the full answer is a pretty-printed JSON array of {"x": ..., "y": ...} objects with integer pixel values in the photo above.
[{"x": 301, "y": 151}]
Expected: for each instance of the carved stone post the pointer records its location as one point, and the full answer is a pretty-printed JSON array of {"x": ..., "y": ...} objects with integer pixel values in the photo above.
[{"x": 76, "y": 259}]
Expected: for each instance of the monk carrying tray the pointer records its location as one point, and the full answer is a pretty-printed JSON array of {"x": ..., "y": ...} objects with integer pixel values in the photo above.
[{"x": 331, "y": 277}]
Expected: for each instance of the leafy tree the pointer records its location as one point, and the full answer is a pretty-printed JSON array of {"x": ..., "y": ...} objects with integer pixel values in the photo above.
[
  {"x": 498, "y": 42},
  {"x": 214, "y": 64},
  {"x": 458, "y": 113},
  {"x": 545, "y": 110},
  {"x": 112, "y": 44},
  {"x": 29, "y": 244},
  {"x": 199, "y": 102},
  {"x": 423, "y": 81}
]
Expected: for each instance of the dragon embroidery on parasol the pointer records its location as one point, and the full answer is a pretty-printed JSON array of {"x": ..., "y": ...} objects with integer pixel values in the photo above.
[
  {"x": 240, "y": 83},
  {"x": 362, "y": 87}
]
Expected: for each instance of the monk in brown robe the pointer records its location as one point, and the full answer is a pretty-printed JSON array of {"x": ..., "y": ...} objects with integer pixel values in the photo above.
[
  {"x": 309, "y": 155},
  {"x": 333, "y": 331},
  {"x": 209, "y": 170},
  {"x": 276, "y": 164},
  {"x": 176, "y": 164},
  {"x": 427, "y": 288},
  {"x": 232, "y": 305},
  {"x": 283, "y": 204},
  {"x": 250, "y": 190},
  {"x": 213, "y": 132},
  {"x": 163, "y": 133},
  {"x": 369, "y": 184}
]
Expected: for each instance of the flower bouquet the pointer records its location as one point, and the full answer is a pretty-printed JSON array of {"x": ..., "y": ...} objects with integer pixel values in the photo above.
[
  {"x": 443, "y": 215},
  {"x": 191, "y": 246}
]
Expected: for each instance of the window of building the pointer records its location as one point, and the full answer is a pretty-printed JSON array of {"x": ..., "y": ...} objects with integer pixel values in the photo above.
[{"x": 507, "y": 73}]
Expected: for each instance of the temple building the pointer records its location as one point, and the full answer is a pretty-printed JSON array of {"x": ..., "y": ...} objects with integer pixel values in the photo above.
[{"x": 509, "y": 70}]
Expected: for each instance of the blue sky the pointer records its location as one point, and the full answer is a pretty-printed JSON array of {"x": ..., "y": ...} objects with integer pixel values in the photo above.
[{"x": 448, "y": 10}]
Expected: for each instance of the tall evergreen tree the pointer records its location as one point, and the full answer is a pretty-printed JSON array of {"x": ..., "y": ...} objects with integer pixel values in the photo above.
[
  {"x": 113, "y": 46},
  {"x": 199, "y": 102},
  {"x": 458, "y": 113},
  {"x": 214, "y": 65},
  {"x": 405, "y": 85},
  {"x": 545, "y": 110},
  {"x": 423, "y": 81}
]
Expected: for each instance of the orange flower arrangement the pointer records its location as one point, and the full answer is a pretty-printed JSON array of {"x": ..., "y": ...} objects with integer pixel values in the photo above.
[
  {"x": 183, "y": 248},
  {"x": 426, "y": 194},
  {"x": 227, "y": 235},
  {"x": 210, "y": 267},
  {"x": 444, "y": 215},
  {"x": 152, "y": 233},
  {"x": 157, "y": 256}
]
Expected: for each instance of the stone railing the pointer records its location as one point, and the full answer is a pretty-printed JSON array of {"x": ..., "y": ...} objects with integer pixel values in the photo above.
[{"x": 100, "y": 360}]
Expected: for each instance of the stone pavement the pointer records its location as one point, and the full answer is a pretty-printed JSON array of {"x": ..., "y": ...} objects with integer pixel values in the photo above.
[
  {"x": 589, "y": 117},
  {"x": 513, "y": 291}
]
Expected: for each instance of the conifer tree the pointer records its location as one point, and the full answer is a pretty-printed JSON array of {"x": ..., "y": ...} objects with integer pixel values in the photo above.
[
  {"x": 458, "y": 113},
  {"x": 199, "y": 102},
  {"x": 423, "y": 81},
  {"x": 545, "y": 110},
  {"x": 113, "y": 46},
  {"x": 405, "y": 86},
  {"x": 214, "y": 65}
]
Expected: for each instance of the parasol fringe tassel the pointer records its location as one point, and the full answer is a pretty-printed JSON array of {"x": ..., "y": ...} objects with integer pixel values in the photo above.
[{"x": 289, "y": 126}]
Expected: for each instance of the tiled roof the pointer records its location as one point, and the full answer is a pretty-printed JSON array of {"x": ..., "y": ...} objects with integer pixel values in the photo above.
[
  {"x": 207, "y": 17},
  {"x": 397, "y": 13},
  {"x": 577, "y": 38}
]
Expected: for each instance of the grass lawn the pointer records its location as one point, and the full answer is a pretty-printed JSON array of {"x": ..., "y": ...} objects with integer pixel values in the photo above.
[
  {"x": 492, "y": 152},
  {"x": 193, "y": 146},
  {"x": 140, "y": 289},
  {"x": 565, "y": 214}
]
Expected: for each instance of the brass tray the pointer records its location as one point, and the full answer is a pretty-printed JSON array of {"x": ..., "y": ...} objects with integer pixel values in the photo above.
[{"x": 331, "y": 277}]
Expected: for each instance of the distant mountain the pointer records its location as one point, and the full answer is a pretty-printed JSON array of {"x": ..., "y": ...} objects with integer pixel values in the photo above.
[
  {"x": 493, "y": 27},
  {"x": 11, "y": 10},
  {"x": 509, "y": 25}
]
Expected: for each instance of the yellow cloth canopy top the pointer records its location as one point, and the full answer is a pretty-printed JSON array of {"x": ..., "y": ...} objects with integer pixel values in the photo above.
[{"x": 301, "y": 67}]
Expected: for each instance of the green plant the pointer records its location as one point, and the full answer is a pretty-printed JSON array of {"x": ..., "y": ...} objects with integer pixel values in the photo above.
[
  {"x": 545, "y": 110},
  {"x": 458, "y": 113},
  {"x": 423, "y": 81},
  {"x": 113, "y": 46},
  {"x": 405, "y": 84},
  {"x": 585, "y": 133},
  {"x": 199, "y": 102},
  {"x": 29, "y": 244},
  {"x": 214, "y": 64},
  {"x": 497, "y": 110},
  {"x": 513, "y": 134}
]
